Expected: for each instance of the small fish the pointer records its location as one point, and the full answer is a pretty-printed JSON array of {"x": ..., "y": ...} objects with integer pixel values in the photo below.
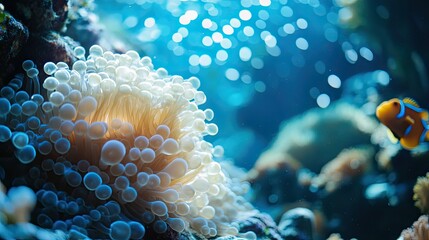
[{"x": 407, "y": 122}]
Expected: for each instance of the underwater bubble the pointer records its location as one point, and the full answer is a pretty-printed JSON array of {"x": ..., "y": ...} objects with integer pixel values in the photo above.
[
  {"x": 383, "y": 12},
  {"x": 301, "y": 23},
  {"x": 382, "y": 77},
  {"x": 248, "y": 31},
  {"x": 120, "y": 230},
  {"x": 257, "y": 63},
  {"x": 205, "y": 60},
  {"x": 222, "y": 55},
  {"x": 320, "y": 67},
  {"x": 351, "y": 55},
  {"x": 245, "y": 54},
  {"x": 323, "y": 100},
  {"x": 334, "y": 81},
  {"x": 232, "y": 74},
  {"x": 206, "y": 41},
  {"x": 301, "y": 43},
  {"x": 366, "y": 53},
  {"x": 194, "y": 60},
  {"x": 331, "y": 34},
  {"x": 245, "y": 15},
  {"x": 270, "y": 41}
]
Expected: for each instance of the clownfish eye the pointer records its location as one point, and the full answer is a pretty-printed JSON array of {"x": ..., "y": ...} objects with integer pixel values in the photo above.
[{"x": 396, "y": 104}]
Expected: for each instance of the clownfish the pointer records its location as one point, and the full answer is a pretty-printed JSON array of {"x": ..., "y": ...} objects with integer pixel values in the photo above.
[{"x": 406, "y": 121}]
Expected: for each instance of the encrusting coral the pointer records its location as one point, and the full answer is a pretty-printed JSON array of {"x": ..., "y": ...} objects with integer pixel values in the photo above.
[
  {"x": 419, "y": 230},
  {"x": 117, "y": 146},
  {"x": 421, "y": 193},
  {"x": 304, "y": 137},
  {"x": 15, "y": 208},
  {"x": 348, "y": 164}
]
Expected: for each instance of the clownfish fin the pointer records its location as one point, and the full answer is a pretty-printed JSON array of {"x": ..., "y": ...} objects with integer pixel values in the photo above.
[
  {"x": 425, "y": 116},
  {"x": 392, "y": 136},
  {"x": 411, "y": 102},
  {"x": 409, "y": 120},
  {"x": 408, "y": 143},
  {"x": 426, "y": 139}
]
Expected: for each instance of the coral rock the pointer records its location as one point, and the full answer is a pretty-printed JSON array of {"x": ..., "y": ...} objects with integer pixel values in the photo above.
[{"x": 13, "y": 35}]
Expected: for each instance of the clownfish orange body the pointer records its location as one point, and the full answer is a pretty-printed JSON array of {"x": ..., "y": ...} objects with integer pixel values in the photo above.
[{"x": 406, "y": 121}]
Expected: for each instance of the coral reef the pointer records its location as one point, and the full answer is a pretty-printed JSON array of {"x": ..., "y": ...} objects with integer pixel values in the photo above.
[
  {"x": 349, "y": 163},
  {"x": 117, "y": 146},
  {"x": 297, "y": 223},
  {"x": 54, "y": 26},
  {"x": 419, "y": 230},
  {"x": 13, "y": 36},
  {"x": 320, "y": 130},
  {"x": 15, "y": 208},
  {"x": 421, "y": 193}
]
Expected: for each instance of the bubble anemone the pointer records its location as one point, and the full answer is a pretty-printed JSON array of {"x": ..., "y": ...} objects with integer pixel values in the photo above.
[{"x": 128, "y": 141}]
